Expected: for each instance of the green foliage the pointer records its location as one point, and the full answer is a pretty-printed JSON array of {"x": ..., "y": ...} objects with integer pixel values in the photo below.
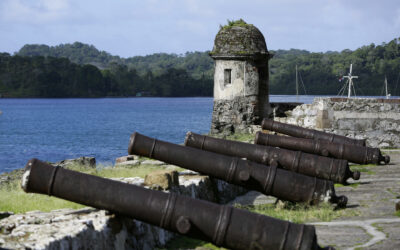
[
  {"x": 231, "y": 23},
  {"x": 44, "y": 71},
  {"x": 14, "y": 199},
  {"x": 352, "y": 185},
  {"x": 40, "y": 76},
  {"x": 320, "y": 72},
  {"x": 77, "y": 52},
  {"x": 183, "y": 242}
]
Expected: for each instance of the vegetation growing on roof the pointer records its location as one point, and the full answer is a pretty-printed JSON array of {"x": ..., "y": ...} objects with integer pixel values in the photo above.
[{"x": 231, "y": 23}]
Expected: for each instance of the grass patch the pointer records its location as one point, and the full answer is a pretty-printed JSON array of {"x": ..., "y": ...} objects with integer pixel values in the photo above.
[
  {"x": 118, "y": 172},
  {"x": 352, "y": 185},
  {"x": 363, "y": 168},
  {"x": 183, "y": 242},
  {"x": 14, "y": 199},
  {"x": 300, "y": 213},
  {"x": 397, "y": 213}
]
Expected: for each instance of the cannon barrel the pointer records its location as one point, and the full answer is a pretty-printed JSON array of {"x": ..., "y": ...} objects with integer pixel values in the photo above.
[
  {"x": 352, "y": 153},
  {"x": 223, "y": 225},
  {"x": 270, "y": 180},
  {"x": 297, "y": 131},
  {"x": 322, "y": 167}
]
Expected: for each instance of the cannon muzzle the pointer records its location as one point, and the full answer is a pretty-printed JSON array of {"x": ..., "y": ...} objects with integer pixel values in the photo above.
[
  {"x": 297, "y": 131},
  {"x": 223, "y": 225},
  {"x": 270, "y": 180},
  {"x": 353, "y": 153}
]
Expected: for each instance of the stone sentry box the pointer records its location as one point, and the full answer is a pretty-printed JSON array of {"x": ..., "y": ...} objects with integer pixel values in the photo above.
[{"x": 240, "y": 79}]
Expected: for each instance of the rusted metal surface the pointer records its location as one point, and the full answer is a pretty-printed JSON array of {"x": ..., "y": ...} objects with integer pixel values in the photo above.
[
  {"x": 270, "y": 180},
  {"x": 322, "y": 167},
  {"x": 297, "y": 131},
  {"x": 223, "y": 225},
  {"x": 352, "y": 153}
]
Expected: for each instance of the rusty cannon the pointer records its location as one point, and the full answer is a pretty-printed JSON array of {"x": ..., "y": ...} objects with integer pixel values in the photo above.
[
  {"x": 297, "y": 131},
  {"x": 270, "y": 180},
  {"x": 223, "y": 225},
  {"x": 352, "y": 153},
  {"x": 322, "y": 167}
]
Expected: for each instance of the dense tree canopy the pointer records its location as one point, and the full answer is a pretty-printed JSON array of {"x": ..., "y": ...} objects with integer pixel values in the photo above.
[
  {"x": 40, "y": 76},
  {"x": 80, "y": 70}
]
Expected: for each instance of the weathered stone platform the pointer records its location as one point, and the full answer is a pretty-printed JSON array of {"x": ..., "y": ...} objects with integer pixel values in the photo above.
[
  {"x": 377, "y": 226},
  {"x": 372, "y": 198}
]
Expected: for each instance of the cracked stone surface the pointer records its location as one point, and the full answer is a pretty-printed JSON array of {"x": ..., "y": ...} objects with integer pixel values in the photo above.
[{"x": 372, "y": 198}]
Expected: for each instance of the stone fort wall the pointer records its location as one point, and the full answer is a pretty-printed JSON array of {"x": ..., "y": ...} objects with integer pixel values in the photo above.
[{"x": 377, "y": 120}]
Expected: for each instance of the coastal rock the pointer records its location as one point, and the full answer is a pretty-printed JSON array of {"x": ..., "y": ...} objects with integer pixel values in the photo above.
[
  {"x": 130, "y": 180},
  {"x": 78, "y": 229},
  {"x": 197, "y": 186},
  {"x": 129, "y": 163},
  {"x": 226, "y": 191},
  {"x": 5, "y": 214},
  {"x": 81, "y": 161},
  {"x": 124, "y": 159},
  {"x": 162, "y": 179},
  {"x": 153, "y": 162},
  {"x": 9, "y": 177}
]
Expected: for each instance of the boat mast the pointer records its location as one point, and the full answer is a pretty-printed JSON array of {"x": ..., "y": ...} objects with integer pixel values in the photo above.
[
  {"x": 386, "y": 89},
  {"x": 297, "y": 87},
  {"x": 350, "y": 77}
]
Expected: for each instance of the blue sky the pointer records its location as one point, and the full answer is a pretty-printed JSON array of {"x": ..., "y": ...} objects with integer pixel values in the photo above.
[{"x": 129, "y": 27}]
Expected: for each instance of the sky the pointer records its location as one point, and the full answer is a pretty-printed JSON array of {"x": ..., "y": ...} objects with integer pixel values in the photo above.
[{"x": 141, "y": 27}]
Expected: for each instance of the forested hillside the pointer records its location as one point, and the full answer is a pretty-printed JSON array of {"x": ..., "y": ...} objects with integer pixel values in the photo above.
[
  {"x": 80, "y": 70},
  {"x": 40, "y": 76},
  {"x": 321, "y": 72}
]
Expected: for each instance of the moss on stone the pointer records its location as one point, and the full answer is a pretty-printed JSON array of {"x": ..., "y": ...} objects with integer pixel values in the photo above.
[
  {"x": 232, "y": 23},
  {"x": 238, "y": 38}
]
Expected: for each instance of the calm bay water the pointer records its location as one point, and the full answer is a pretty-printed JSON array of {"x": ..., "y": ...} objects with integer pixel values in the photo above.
[{"x": 57, "y": 129}]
